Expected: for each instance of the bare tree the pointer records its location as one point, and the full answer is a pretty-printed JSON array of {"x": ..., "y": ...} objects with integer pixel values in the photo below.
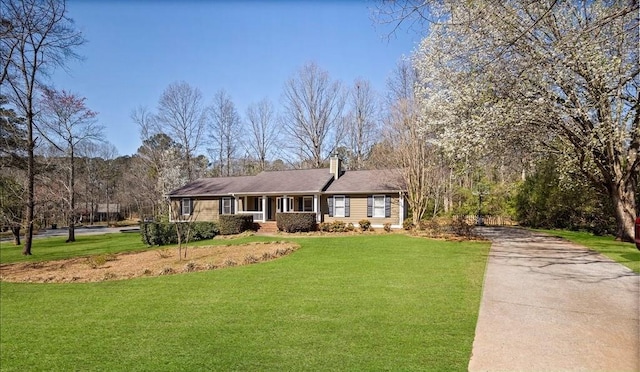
[
  {"x": 101, "y": 175},
  {"x": 12, "y": 150},
  {"x": 181, "y": 115},
  {"x": 313, "y": 106},
  {"x": 401, "y": 83},
  {"x": 11, "y": 204},
  {"x": 224, "y": 131},
  {"x": 263, "y": 138},
  {"x": 362, "y": 129},
  {"x": 66, "y": 123},
  {"x": 36, "y": 36},
  {"x": 411, "y": 154}
]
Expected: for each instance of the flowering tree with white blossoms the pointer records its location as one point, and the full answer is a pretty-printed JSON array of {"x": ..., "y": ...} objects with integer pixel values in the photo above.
[{"x": 557, "y": 76}]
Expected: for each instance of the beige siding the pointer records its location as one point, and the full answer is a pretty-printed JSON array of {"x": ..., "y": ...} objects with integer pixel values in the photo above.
[
  {"x": 358, "y": 210},
  {"x": 204, "y": 209}
]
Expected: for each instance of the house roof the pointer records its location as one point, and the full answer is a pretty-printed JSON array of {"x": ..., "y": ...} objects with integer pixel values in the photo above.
[
  {"x": 288, "y": 182},
  {"x": 299, "y": 181},
  {"x": 367, "y": 181},
  {"x": 212, "y": 186},
  {"x": 272, "y": 182}
]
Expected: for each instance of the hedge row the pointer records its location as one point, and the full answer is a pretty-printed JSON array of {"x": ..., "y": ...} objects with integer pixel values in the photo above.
[
  {"x": 235, "y": 223},
  {"x": 164, "y": 233},
  {"x": 296, "y": 222}
]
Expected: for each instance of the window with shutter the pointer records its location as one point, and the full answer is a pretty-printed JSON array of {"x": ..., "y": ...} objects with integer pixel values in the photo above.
[
  {"x": 186, "y": 207},
  {"x": 378, "y": 206},
  {"x": 226, "y": 206},
  {"x": 338, "y": 206}
]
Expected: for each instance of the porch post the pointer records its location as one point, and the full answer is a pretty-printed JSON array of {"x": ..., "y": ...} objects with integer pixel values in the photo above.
[
  {"x": 285, "y": 203},
  {"x": 235, "y": 204},
  {"x": 316, "y": 207},
  {"x": 264, "y": 208},
  {"x": 401, "y": 209}
]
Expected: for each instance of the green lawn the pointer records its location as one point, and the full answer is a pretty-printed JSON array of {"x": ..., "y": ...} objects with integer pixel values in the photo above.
[
  {"x": 624, "y": 253},
  {"x": 55, "y": 248},
  {"x": 381, "y": 302}
]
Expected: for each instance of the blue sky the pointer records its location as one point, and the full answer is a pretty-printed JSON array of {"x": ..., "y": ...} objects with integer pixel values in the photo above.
[{"x": 135, "y": 49}]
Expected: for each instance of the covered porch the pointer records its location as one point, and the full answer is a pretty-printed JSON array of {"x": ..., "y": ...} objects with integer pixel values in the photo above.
[{"x": 264, "y": 208}]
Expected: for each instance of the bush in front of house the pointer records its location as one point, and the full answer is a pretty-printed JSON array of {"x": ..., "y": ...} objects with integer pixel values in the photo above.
[
  {"x": 336, "y": 226},
  {"x": 204, "y": 231},
  {"x": 364, "y": 224},
  {"x": 158, "y": 233},
  {"x": 231, "y": 224},
  {"x": 164, "y": 233},
  {"x": 296, "y": 222}
]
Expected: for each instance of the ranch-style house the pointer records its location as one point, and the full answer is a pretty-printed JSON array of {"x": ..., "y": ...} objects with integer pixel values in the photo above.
[{"x": 333, "y": 194}]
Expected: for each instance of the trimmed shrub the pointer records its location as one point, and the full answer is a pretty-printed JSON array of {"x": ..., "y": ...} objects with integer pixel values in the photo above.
[
  {"x": 158, "y": 233},
  {"x": 336, "y": 226},
  {"x": 164, "y": 233},
  {"x": 364, "y": 224},
  {"x": 387, "y": 227},
  {"x": 296, "y": 222},
  {"x": 204, "y": 231},
  {"x": 231, "y": 224}
]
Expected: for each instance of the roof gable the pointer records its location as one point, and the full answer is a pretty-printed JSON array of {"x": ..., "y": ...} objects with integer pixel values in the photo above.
[{"x": 368, "y": 181}]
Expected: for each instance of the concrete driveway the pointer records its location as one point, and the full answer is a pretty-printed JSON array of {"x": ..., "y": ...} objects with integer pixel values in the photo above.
[{"x": 550, "y": 305}]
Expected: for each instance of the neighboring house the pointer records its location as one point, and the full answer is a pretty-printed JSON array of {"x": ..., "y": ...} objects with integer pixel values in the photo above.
[
  {"x": 107, "y": 212},
  {"x": 332, "y": 194}
]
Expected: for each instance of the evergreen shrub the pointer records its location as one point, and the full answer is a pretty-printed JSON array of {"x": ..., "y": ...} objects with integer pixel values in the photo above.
[
  {"x": 231, "y": 224},
  {"x": 164, "y": 233},
  {"x": 296, "y": 222}
]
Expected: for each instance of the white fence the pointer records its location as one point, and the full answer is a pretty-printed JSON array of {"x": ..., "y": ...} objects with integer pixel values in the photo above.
[
  {"x": 257, "y": 215},
  {"x": 488, "y": 220}
]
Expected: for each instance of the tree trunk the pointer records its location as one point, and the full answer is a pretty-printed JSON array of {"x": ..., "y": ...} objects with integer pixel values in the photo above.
[
  {"x": 16, "y": 234},
  {"x": 72, "y": 231},
  {"x": 72, "y": 199},
  {"x": 28, "y": 240},
  {"x": 623, "y": 198}
]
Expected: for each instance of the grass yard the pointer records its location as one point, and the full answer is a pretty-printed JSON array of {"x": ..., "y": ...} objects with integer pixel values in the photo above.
[
  {"x": 46, "y": 249},
  {"x": 55, "y": 248},
  {"x": 623, "y": 253},
  {"x": 372, "y": 302}
]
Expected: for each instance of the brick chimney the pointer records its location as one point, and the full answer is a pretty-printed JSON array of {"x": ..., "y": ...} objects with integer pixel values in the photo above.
[{"x": 335, "y": 166}]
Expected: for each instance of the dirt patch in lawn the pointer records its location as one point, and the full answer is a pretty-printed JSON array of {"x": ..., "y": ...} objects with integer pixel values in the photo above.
[{"x": 147, "y": 263}]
